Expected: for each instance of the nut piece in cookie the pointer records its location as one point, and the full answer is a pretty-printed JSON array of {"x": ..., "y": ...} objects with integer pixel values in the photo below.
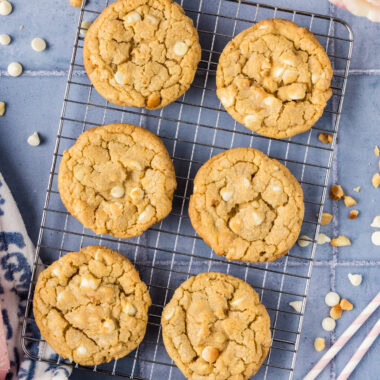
[
  {"x": 117, "y": 179},
  {"x": 246, "y": 206},
  {"x": 274, "y": 78},
  {"x": 215, "y": 327},
  {"x": 142, "y": 53},
  {"x": 91, "y": 306}
]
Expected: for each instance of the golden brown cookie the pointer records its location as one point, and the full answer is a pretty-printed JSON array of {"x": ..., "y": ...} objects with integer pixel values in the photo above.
[
  {"x": 91, "y": 306},
  {"x": 274, "y": 78},
  {"x": 246, "y": 206},
  {"x": 142, "y": 53},
  {"x": 117, "y": 179},
  {"x": 215, "y": 327}
]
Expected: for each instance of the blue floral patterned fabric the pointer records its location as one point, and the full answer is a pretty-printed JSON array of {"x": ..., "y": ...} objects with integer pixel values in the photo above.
[{"x": 16, "y": 258}]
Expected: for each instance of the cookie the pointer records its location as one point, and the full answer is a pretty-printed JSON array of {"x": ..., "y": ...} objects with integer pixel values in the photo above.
[
  {"x": 274, "y": 78},
  {"x": 117, "y": 179},
  {"x": 246, "y": 206},
  {"x": 91, "y": 306},
  {"x": 215, "y": 327},
  {"x": 142, "y": 53}
]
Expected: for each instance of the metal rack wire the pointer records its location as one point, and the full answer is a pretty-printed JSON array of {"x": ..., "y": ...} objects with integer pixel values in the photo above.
[{"x": 194, "y": 128}]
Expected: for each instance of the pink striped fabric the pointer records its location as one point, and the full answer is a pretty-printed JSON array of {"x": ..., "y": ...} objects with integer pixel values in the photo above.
[{"x": 349, "y": 332}]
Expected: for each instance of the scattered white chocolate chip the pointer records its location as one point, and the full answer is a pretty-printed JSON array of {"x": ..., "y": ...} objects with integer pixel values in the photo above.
[
  {"x": 357, "y": 189},
  {"x": 250, "y": 120},
  {"x": 5, "y": 8},
  {"x": 180, "y": 48},
  {"x": 376, "y": 180},
  {"x": 14, "y": 69},
  {"x": 38, "y": 44},
  {"x": 108, "y": 325},
  {"x": 332, "y": 299},
  {"x": 81, "y": 350},
  {"x": 120, "y": 77},
  {"x": 355, "y": 279},
  {"x": 296, "y": 305},
  {"x": 328, "y": 324},
  {"x": 89, "y": 281},
  {"x": 376, "y": 222},
  {"x": 238, "y": 301},
  {"x": 226, "y": 194},
  {"x": 304, "y": 241},
  {"x": 59, "y": 296},
  {"x": 135, "y": 165},
  {"x": 375, "y": 238},
  {"x": 319, "y": 344},
  {"x": 2, "y": 108},
  {"x": 247, "y": 182},
  {"x": 130, "y": 309},
  {"x": 323, "y": 239},
  {"x": 377, "y": 151},
  {"x": 169, "y": 312},
  {"x": 340, "y": 241},
  {"x": 133, "y": 17},
  {"x": 5, "y": 39},
  {"x": 146, "y": 215},
  {"x": 117, "y": 191},
  {"x": 257, "y": 219},
  {"x": 210, "y": 354},
  {"x": 34, "y": 139},
  {"x": 84, "y": 26},
  {"x": 56, "y": 272},
  {"x": 137, "y": 193},
  {"x": 227, "y": 100},
  {"x": 153, "y": 20}
]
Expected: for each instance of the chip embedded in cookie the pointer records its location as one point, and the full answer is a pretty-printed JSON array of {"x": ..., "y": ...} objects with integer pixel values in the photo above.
[
  {"x": 246, "y": 206},
  {"x": 215, "y": 327},
  {"x": 117, "y": 179},
  {"x": 142, "y": 53},
  {"x": 274, "y": 78},
  {"x": 91, "y": 306}
]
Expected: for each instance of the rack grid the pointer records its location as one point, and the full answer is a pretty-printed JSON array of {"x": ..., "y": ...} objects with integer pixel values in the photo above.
[{"x": 194, "y": 128}]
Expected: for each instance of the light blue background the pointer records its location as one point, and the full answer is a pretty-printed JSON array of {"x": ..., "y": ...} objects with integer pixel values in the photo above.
[{"x": 34, "y": 102}]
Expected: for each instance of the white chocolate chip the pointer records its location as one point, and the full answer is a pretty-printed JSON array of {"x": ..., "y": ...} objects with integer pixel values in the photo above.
[
  {"x": 357, "y": 189},
  {"x": 89, "y": 281},
  {"x": 169, "y": 312},
  {"x": 146, "y": 215},
  {"x": 226, "y": 194},
  {"x": 117, "y": 191},
  {"x": 153, "y": 20},
  {"x": 84, "y": 26},
  {"x": 60, "y": 296},
  {"x": 277, "y": 71},
  {"x": 5, "y": 39},
  {"x": 38, "y": 44},
  {"x": 376, "y": 222},
  {"x": 120, "y": 77},
  {"x": 296, "y": 305},
  {"x": 34, "y": 139},
  {"x": 275, "y": 167},
  {"x": 290, "y": 76},
  {"x": 315, "y": 78},
  {"x": 375, "y": 238},
  {"x": 227, "y": 99},
  {"x": 268, "y": 101},
  {"x": 133, "y": 17},
  {"x": 247, "y": 182},
  {"x": 210, "y": 354},
  {"x": 251, "y": 120},
  {"x": 5, "y": 8},
  {"x": 108, "y": 325},
  {"x": 257, "y": 219},
  {"x": 277, "y": 188},
  {"x": 328, "y": 324},
  {"x": 304, "y": 241},
  {"x": 81, "y": 350},
  {"x": 134, "y": 165},
  {"x": 2, "y": 108},
  {"x": 137, "y": 193},
  {"x": 14, "y": 69},
  {"x": 332, "y": 299},
  {"x": 323, "y": 239},
  {"x": 355, "y": 279},
  {"x": 238, "y": 301},
  {"x": 56, "y": 272},
  {"x": 130, "y": 309},
  {"x": 180, "y": 48}
]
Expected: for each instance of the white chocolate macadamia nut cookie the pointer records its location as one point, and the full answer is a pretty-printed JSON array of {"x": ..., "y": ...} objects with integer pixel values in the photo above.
[
  {"x": 142, "y": 53},
  {"x": 91, "y": 306},
  {"x": 117, "y": 179},
  {"x": 215, "y": 327},
  {"x": 246, "y": 206},
  {"x": 274, "y": 78}
]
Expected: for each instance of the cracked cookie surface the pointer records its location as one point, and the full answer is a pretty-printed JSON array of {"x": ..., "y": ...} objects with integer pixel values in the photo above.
[
  {"x": 117, "y": 179},
  {"x": 274, "y": 78},
  {"x": 246, "y": 206},
  {"x": 142, "y": 53},
  {"x": 215, "y": 327},
  {"x": 91, "y": 306}
]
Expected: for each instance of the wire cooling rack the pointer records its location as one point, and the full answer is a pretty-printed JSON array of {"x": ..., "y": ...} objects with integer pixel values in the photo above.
[{"x": 194, "y": 128}]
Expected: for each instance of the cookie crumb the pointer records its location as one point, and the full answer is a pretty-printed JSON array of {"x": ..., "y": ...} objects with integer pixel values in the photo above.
[
  {"x": 5, "y": 39},
  {"x": 336, "y": 192},
  {"x": 376, "y": 222},
  {"x": 76, "y": 3},
  {"x": 2, "y": 108},
  {"x": 340, "y": 241},
  {"x": 296, "y": 305},
  {"x": 346, "y": 305},
  {"x": 34, "y": 139},
  {"x": 304, "y": 241},
  {"x": 328, "y": 324},
  {"x": 353, "y": 214},
  {"x": 336, "y": 312},
  {"x": 355, "y": 279},
  {"x": 21, "y": 27},
  {"x": 326, "y": 218},
  {"x": 332, "y": 299},
  {"x": 357, "y": 189},
  {"x": 323, "y": 239},
  {"x": 319, "y": 344},
  {"x": 349, "y": 201},
  {"x": 376, "y": 180},
  {"x": 325, "y": 138},
  {"x": 375, "y": 238},
  {"x": 377, "y": 151}
]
